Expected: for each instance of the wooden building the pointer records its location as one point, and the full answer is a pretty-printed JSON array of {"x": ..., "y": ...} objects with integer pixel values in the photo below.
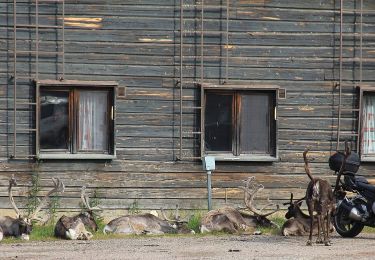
[{"x": 125, "y": 97}]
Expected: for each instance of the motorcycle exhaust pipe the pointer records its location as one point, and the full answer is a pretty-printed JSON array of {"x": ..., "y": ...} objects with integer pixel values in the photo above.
[{"x": 352, "y": 210}]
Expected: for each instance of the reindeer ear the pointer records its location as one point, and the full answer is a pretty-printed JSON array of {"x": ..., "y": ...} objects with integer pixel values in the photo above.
[{"x": 299, "y": 203}]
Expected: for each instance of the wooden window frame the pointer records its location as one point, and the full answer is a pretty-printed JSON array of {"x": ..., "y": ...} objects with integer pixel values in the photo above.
[
  {"x": 231, "y": 156},
  {"x": 73, "y": 86},
  {"x": 362, "y": 91}
]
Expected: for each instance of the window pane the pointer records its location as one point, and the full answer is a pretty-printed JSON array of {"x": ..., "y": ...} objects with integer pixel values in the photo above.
[
  {"x": 368, "y": 128},
  {"x": 93, "y": 121},
  {"x": 54, "y": 119},
  {"x": 255, "y": 121},
  {"x": 218, "y": 122}
]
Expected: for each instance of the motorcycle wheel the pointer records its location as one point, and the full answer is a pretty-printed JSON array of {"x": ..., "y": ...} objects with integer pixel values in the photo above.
[{"x": 345, "y": 226}]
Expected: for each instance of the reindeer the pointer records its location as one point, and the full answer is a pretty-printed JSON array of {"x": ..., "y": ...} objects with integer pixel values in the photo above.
[
  {"x": 75, "y": 227},
  {"x": 146, "y": 224},
  {"x": 21, "y": 226},
  {"x": 319, "y": 198},
  {"x": 298, "y": 223},
  {"x": 225, "y": 219},
  {"x": 231, "y": 220}
]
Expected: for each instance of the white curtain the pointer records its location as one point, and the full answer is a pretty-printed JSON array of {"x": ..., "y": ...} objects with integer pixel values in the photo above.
[
  {"x": 368, "y": 127},
  {"x": 93, "y": 120}
]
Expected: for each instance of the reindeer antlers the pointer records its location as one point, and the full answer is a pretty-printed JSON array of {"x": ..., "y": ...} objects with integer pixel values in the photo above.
[
  {"x": 250, "y": 190},
  {"x": 12, "y": 182},
  {"x": 58, "y": 186},
  {"x": 86, "y": 201},
  {"x": 177, "y": 216},
  {"x": 291, "y": 200}
]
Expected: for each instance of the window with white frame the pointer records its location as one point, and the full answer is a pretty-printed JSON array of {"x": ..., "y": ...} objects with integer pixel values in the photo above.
[
  {"x": 367, "y": 133},
  {"x": 240, "y": 124},
  {"x": 76, "y": 120}
]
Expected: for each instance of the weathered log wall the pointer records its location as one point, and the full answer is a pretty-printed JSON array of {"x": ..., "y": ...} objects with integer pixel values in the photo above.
[{"x": 291, "y": 43}]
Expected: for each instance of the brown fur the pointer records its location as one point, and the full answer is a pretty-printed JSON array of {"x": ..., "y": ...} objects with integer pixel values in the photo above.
[
  {"x": 298, "y": 223},
  {"x": 226, "y": 219},
  {"x": 319, "y": 198},
  {"x": 140, "y": 224}
]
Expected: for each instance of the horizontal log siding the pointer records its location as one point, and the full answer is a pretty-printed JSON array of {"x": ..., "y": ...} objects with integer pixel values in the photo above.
[{"x": 293, "y": 43}]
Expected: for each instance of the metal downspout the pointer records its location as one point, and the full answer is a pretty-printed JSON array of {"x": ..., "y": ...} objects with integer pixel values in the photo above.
[
  {"x": 15, "y": 77},
  {"x": 181, "y": 68},
  {"x": 340, "y": 77}
]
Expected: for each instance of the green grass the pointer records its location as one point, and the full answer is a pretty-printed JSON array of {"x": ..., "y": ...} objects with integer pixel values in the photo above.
[
  {"x": 368, "y": 230},
  {"x": 194, "y": 222},
  {"x": 46, "y": 233},
  {"x": 41, "y": 233},
  {"x": 272, "y": 231}
]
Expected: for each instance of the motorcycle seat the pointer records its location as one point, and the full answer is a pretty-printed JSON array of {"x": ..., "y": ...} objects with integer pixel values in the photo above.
[
  {"x": 365, "y": 186},
  {"x": 361, "y": 179}
]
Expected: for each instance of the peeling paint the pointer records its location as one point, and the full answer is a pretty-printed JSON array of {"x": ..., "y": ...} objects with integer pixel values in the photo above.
[
  {"x": 305, "y": 108},
  {"x": 83, "y": 19},
  {"x": 245, "y": 12},
  {"x": 154, "y": 40},
  {"x": 229, "y": 47},
  {"x": 84, "y": 22},
  {"x": 271, "y": 18},
  {"x": 84, "y": 25}
]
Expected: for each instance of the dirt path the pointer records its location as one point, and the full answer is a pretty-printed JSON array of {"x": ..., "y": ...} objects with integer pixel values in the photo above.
[{"x": 207, "y": 247}]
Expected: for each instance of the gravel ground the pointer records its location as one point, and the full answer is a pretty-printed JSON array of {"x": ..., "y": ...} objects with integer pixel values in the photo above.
[{"x": 200, "y": 247}]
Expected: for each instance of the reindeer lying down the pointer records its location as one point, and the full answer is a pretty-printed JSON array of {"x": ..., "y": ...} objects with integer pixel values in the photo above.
[
  {"x": 21, "y": 226},
  {"x": 75, "y": 227},
  {"x": 231, "y": 220},
  {"x": 147, "y": 224}
]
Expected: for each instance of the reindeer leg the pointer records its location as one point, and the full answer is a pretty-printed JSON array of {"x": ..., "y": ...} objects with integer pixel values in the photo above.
[
  {"x": 327, "y": 241},
  {"x": 320, "y": 226},
  {"x": 311, "y": 213}
]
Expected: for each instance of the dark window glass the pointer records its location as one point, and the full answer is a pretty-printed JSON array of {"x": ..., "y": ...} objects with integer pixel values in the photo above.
[
  {"x": 218, "y": 122},
  {"x": 54, "y": 120},
  {"x": 255, "y": 124},
  {"x": 240, "y": 122}
]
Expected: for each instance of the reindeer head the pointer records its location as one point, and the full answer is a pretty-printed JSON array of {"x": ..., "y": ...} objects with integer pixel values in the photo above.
[
  {"x": 24, "y": 223},
  {"x": 250, "y": 190},
  {"x": 88, "y": 217},
  {"x": 180, "y": 225},
  {"x": 25, "y": 226},
  {"x": 293, "y": 208}
]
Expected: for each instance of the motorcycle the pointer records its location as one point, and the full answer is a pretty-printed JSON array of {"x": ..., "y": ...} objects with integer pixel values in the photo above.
[{"x": 355, "y": 196}]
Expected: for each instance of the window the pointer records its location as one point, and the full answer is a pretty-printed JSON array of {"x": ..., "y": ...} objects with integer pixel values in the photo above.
[
  {"x": 75, "y": 120},
  {"x": 367, "y": 132},
  {"x": 240, "y": 124}
]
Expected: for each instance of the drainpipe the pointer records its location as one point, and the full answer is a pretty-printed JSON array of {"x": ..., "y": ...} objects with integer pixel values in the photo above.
[
  {"x": 209, "y": 190},
  {"x": 209, "y": 166}
]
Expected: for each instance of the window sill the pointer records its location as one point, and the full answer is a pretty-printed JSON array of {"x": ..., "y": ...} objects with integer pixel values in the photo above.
[
  {"x": 245, "y": 158},
  {"x": 76, "y": 156},
  {"x": 368, "y": 158}
]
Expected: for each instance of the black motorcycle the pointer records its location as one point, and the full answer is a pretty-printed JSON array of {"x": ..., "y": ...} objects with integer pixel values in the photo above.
[{"x": 356, "y": 211}]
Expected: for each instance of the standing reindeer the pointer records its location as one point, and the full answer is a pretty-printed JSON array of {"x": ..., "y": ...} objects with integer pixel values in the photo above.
[
  {"x": 75, "y": 227},
  {"x": 298, "y": 223},
  {"x": 21, "y": 226},
  {"x": 319, "y": 198},
  {"x": 233, "y": 220}
]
